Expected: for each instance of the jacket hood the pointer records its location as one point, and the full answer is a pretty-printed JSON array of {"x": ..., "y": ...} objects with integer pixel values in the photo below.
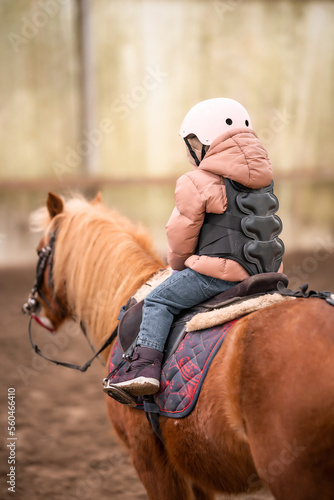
[{"x": 240, "y": 156}]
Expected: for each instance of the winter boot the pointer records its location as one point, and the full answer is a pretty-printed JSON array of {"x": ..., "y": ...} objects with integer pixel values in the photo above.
[{"x": 142, "y": 376}]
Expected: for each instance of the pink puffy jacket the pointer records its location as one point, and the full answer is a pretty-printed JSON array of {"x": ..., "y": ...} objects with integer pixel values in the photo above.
[{"x": 237, "y": 155}]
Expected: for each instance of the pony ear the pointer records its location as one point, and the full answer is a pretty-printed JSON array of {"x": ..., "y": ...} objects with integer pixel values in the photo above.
[
  {"x": 97, "y": 200},
  {"x": 54, "y": 204}
]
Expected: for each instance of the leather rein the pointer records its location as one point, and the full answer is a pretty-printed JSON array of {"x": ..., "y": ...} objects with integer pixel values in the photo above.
[{"x": 45, "y": 257}]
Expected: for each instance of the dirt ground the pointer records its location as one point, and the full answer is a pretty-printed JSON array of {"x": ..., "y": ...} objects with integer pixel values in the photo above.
[{"x": 65, "y": 448}]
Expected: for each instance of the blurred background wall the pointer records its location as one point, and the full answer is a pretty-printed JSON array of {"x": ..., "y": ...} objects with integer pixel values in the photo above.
[{"x": 92, "y": 95}]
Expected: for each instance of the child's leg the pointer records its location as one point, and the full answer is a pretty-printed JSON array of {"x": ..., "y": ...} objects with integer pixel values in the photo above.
[{"x": 180, "y": 291}]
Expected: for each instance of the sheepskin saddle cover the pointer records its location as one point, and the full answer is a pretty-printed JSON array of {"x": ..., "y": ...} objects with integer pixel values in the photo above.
[{"x": 258, "y": 291}]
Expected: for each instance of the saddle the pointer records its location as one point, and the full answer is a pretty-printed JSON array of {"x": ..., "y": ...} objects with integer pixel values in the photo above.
[
  {"x": 130, "y": 319},
  {"x": 188, "y": 356}
]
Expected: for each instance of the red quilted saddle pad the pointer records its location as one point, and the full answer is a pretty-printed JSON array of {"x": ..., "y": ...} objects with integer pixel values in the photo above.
[{"x": 184, "y": 372}]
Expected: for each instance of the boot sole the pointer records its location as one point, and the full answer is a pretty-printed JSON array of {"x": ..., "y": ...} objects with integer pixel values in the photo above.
[
  {"x": 120, "y": 396},
  {"x": 140, "y": 386}
]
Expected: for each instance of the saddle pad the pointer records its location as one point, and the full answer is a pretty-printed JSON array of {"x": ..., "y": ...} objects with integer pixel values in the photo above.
[{"x": 184, "y": 372}]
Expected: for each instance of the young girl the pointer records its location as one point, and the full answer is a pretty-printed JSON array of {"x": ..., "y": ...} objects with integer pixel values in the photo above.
[{"x": 218, "y": 233}]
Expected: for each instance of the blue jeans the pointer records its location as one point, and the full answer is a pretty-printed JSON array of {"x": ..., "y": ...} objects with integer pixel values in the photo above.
[{"x": 180, "y": 291}]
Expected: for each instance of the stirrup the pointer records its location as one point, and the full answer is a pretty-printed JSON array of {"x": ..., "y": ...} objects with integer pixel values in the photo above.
[{"x": 120, "y": 396}]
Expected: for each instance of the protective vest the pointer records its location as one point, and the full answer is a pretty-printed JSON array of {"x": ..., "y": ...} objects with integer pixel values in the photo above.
[{"x": 247, "y": 231}]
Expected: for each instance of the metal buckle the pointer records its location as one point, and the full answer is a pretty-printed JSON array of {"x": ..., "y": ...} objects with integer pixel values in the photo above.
[{"x": 31, "y": 305}]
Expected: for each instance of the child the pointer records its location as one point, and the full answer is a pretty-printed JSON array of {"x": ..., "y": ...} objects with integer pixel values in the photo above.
[{"x": 214, "y": 231}]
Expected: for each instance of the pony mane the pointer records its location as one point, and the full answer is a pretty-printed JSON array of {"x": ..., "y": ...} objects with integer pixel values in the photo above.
[{"x": 101, "y": 259}]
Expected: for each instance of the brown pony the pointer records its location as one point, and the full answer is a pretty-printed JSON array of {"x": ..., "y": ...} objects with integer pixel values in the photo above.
[{"x": 265, "y": 415}]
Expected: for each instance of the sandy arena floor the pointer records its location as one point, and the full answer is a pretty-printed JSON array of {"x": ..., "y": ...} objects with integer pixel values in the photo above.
[{"x": 65, "y": 447}]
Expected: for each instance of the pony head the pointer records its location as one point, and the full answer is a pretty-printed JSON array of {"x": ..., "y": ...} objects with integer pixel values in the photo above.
[{"x": 46, "y": 307}]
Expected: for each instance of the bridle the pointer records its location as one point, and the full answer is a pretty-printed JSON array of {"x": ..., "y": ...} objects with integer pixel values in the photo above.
[{"x": 45, "y": 258}]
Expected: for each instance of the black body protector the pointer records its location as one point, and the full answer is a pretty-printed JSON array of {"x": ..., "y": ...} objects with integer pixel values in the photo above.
[{"x": 247, "y": 231}]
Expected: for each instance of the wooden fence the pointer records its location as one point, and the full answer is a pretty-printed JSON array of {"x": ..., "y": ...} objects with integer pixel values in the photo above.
[{"x": 93, "y": 93}]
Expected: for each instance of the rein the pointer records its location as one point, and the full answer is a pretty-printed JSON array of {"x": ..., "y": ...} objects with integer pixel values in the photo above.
[{"x": 81, "y": 368}]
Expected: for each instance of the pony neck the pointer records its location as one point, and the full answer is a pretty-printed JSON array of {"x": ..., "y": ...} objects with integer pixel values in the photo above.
[{"x": 101, "y": 259}]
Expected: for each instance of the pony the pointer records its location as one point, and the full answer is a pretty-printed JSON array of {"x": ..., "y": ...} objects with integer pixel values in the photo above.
[{"x": 265, "y": 414}]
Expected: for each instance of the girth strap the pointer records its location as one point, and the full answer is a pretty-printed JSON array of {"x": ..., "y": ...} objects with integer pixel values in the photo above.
[{"x": 152, "y": 414}]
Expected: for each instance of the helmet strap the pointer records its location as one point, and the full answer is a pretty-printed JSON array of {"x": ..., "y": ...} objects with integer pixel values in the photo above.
[
  {"x": 192, "y": 152},
  {"x": 204, "y": 150}
]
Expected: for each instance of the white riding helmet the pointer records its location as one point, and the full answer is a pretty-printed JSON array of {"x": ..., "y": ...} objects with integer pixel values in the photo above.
[{"x": 211, "y": 118}]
